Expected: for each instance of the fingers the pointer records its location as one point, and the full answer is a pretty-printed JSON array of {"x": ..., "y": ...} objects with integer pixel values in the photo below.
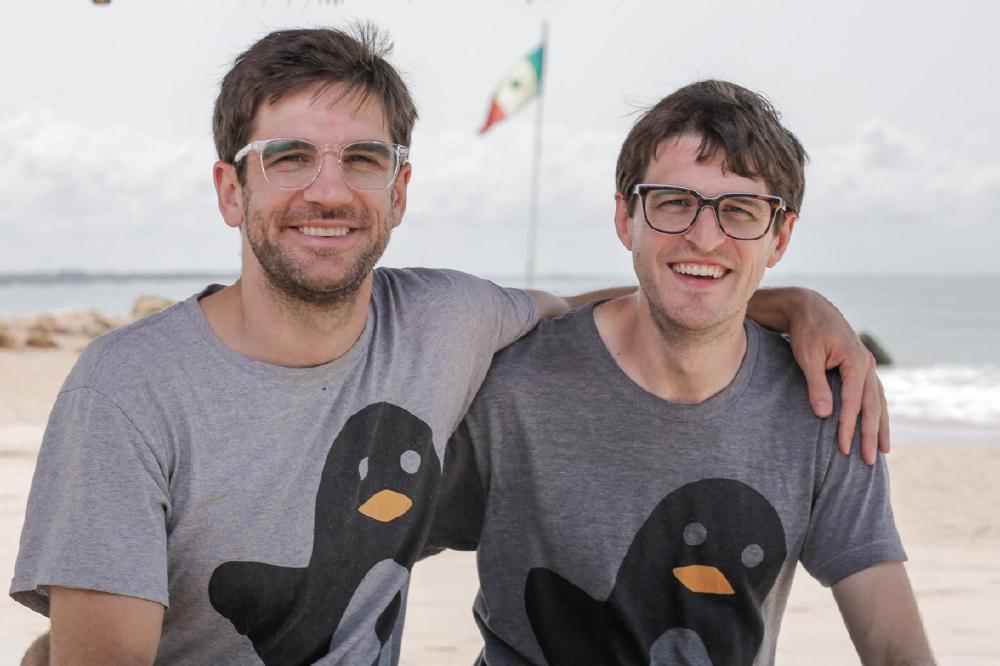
[
  {"x": 872, "y": 406},
  {"x": 851, "y": 400},
  {"x": 813, "y": 363},
  {"x": 883, "y": 426}
]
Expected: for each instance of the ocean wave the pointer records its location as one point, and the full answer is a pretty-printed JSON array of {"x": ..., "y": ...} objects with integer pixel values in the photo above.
[{"x": 945, "y": 393}]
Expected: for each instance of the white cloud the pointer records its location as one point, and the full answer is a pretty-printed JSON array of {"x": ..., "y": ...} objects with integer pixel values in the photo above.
[
  {"x": 105, "y": 198},
  {"x": 885, "y": 173},
  {"x": 889, "y": 200}
]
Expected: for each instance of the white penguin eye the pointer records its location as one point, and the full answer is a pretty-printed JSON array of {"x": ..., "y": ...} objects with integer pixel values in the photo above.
[
  {"x": 410, "y": 461},
  {"x": 695, "y": 534},
  {"x": 752, "y": 555},
  {"x": 363, "y": 468}
]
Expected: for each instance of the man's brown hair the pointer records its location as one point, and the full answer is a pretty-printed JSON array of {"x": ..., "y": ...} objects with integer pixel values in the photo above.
[
  {"x": 741, "y": 123},
  {"x": 288, "y": 61}
]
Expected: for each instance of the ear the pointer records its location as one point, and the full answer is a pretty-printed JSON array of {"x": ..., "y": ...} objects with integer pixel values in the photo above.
[
  {"x": 623, "y": 221},
  {"x": 399, "y": 192},
  {"x": 783, "y": 237},
  {"x": 229, "y": 193}
]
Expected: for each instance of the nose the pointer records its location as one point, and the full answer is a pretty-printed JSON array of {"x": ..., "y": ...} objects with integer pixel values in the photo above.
[
  {"x": 705, "y": 233},
  {"x": 329, "y": 187}
]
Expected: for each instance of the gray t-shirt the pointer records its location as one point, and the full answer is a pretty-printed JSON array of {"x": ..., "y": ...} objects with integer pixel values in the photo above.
[
  {"x": 274, "y": 511},
  {"x": 616, "y": 528}
]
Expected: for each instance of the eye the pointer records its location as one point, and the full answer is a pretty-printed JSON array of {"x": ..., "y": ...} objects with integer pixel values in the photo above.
[
  {"x": 669, "y": 200},
  {"x": 367, "y": 154},
  {"x": 356, "y": 158},
  {"x": 410, "y": 461},
  {"x": 745, "y": 208},
  {"x": 363, "y": 468},
  {"x": 291, "y": 157},
  {"x": 737, "y": 213},
  {"x": 286, "y": 156},
  {"x": 695, "y": 534},
  {"x": 752, "y": 555}
]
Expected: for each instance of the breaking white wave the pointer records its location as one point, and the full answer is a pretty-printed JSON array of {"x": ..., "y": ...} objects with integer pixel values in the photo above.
[{"x": 959, "y": 394}]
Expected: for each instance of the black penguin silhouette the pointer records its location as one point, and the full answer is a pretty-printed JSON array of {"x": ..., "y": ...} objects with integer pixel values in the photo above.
[
  {"x": 366, "y": 539},
  {"x": 689, "y": 590}
]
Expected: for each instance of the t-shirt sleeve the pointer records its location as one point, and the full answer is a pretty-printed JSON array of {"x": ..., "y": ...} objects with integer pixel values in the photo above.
[
  {"x": 502, "y": 314},
  {"x": 458, "y": 518},
  {"x": 97, "y": 510},
  {"x": 517, "y": 314},
  {"x": 851, "y": 526}
]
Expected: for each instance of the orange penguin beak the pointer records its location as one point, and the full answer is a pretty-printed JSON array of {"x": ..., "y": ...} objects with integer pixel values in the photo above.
[
  {"x": 706, "y": 580},
  {"x": 386, "y": 505}
]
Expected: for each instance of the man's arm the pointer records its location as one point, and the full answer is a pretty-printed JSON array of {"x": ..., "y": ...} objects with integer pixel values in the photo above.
[
  {"x": 550, "y": 305},
  {"x": 881, "y": 615},
  {"x": 822, "y": 339},
  {"x": 90, "y": 627}
]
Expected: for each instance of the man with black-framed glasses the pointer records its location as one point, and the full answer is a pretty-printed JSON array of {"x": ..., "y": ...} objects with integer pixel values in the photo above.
[
  {"x": 249, "y": 475},
  {"x": 647, "y": 472}
]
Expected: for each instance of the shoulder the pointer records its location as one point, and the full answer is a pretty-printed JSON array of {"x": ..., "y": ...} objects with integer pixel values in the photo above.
[
  {"x": 778, "y": 385},
  {"x": 448, "y": 296},
  {"x": 775, "y": 359},
  {"x": 110, "y": 360},
  {"x": 553, "y": 348},
  {"x": 438, "y": 282}
]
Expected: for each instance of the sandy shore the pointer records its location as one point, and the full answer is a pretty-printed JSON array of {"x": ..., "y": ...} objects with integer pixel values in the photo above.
[{"x": 945, "y": 497}]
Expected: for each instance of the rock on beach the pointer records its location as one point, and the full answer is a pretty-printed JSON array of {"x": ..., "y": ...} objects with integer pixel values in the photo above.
[{"x": 70, "y": 330}]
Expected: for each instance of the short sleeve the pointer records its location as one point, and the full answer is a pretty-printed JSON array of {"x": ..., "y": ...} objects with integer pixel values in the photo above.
[
  {"x": 851, "y": 526},
  {"x": 508, "y": 314},
  {"x": 97, "y": 510}
]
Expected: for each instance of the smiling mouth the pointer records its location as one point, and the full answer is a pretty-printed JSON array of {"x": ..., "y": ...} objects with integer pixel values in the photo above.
[
  {"x": 324, "y": 232},
  {"x": 704, "y": 271}
]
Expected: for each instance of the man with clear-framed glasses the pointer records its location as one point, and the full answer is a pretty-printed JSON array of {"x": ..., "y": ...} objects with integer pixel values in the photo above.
[
  {"x": 249, "y": 475},
  {"x": 641, "y": 516}
]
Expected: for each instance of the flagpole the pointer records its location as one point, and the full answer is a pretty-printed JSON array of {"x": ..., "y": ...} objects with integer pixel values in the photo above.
[{"x": 536, "y": 163}]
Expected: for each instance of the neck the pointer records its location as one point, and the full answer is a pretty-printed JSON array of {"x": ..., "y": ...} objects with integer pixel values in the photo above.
[
  {"x": 257, "y": 320},
  {"x": 672, "y": 363}
]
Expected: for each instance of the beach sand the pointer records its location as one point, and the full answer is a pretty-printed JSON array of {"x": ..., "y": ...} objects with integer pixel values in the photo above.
[{"x": 945, "y": 497}]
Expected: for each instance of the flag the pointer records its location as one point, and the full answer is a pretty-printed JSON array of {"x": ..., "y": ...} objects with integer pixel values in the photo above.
[{"x": 522, "y": 84}]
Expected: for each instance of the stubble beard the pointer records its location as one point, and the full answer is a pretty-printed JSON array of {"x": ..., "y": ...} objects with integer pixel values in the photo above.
[
  {"x": 672, "y": 326},
  {"x": 287, "y": 279}
]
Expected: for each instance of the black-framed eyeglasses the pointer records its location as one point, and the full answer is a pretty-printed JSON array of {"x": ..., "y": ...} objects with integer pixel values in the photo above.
[
  {"x": 672, "y": 209},
  {"x": 293, "y": 164}
]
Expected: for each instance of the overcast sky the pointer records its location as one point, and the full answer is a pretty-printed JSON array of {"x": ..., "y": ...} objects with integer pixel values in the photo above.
[{"x": 106, "y": 152}]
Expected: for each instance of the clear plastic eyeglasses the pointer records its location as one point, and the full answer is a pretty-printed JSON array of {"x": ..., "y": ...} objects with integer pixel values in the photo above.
[{"x": 293, "y": 164}]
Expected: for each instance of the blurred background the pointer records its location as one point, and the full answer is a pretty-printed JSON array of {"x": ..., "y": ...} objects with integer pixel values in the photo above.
[{"x": 106, "y": 152}]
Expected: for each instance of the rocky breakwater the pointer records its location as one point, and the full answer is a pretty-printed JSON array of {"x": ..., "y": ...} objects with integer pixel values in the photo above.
[{"x": 70, "y": 330}]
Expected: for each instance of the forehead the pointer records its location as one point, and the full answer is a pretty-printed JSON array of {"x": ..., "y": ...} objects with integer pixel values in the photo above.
[
  {"x": 675, "y": 162},
  {"x": 322, "y": 113}
]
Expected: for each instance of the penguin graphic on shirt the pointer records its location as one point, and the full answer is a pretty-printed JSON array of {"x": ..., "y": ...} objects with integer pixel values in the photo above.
[
  {"x": 379, "y": 479},
  {"x": 689, "y": 590}
]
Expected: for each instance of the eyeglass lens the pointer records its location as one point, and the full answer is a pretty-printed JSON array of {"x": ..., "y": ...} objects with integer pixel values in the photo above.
[
  {"x": 364, "y": 165},
  {"x": 675, "y": 210}
]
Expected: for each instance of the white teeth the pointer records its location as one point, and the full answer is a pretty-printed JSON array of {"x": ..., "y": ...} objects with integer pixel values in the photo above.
[
  {"x": 701, "y": 270},
  {"x": 324, "y": 231}
]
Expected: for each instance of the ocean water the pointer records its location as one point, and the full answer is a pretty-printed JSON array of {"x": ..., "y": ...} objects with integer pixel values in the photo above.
[
  {"x": 110, "y": 295},
  {"x": 943, "y": 332}
]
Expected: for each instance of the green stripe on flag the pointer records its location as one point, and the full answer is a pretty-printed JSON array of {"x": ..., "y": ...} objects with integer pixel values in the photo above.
[{"x": 535, "y": 58}]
